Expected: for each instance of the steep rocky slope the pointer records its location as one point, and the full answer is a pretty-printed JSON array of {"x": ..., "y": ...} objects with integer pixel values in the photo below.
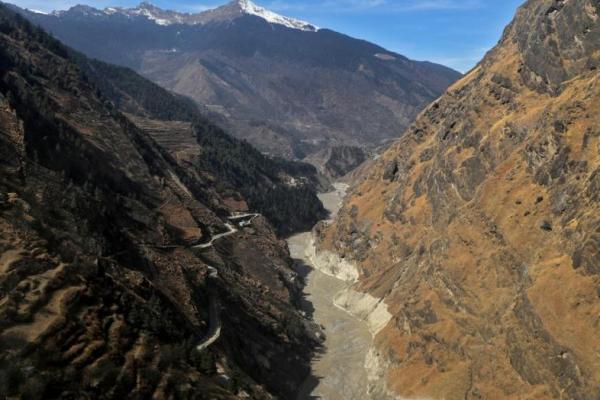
[
  {"x": 336, "y": 161},
  {"x": 480, "y": 227},
  {"x": 101, "y": 293},
  {"x": 290, "y": 91}
]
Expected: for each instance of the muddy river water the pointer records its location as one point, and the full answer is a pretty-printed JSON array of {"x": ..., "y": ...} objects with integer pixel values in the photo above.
[{"x": 338, "y": 371}]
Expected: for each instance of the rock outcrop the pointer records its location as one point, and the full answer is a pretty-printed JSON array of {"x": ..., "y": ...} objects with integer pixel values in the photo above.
[
  {"x": 337, "y": 161},
  {"x": 480, "y": 227}
]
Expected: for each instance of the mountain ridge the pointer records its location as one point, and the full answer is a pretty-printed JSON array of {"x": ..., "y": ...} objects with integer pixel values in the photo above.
[
  {"x": 226, "y": 12},
  {"x": 289, "y": 92},
  {"x": 275, "y": 187}
]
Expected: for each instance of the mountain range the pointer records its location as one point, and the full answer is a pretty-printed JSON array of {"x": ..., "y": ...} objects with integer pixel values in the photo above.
[{"x": 286, "y": 86}]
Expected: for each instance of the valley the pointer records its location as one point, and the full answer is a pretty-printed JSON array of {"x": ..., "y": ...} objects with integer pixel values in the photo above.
[
  {"x": 338, "y": 370},
  {"x": 246, "y": 205}
]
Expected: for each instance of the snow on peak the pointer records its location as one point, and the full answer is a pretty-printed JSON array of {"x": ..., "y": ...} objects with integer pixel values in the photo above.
[
  {"x": 37, "y": 11},
  {"x": 151, "y": 12},
  {"x": 249, "y": 7},
  {"x": 166, "y": 17}
]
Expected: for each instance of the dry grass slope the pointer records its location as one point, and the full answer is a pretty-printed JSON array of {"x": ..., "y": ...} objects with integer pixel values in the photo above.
[{"x": 481, "y": 226}]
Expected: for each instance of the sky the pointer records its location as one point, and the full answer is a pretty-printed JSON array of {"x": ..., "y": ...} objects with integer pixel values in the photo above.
[{"x": 456, "y": 33}]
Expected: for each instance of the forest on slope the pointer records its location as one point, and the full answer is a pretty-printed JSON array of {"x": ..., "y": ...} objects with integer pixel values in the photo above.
[{"x": 283, "y": 191}]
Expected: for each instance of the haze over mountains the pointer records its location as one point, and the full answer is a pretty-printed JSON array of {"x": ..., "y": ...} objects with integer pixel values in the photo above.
[{"x": 288, "y": 87}]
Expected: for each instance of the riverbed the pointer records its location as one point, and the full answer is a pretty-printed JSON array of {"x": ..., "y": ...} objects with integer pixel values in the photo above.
[{"x": 338, "y": 371}]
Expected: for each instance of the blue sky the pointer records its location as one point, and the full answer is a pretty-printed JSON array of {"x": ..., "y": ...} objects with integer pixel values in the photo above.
[{"x": 452, "y": 32}]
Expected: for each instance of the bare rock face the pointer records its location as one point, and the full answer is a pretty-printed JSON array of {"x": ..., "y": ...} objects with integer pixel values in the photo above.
[
  {"x": 480, "y": 226},
  {"x": 337, "y": 161},
  {"x": 564, "y": 44},
  {"x": 101, "y": 293}
]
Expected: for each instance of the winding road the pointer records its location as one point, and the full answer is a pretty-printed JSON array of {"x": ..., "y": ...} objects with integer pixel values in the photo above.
[
  {"x": 245, "y": 220},
  {"x": 214, "y": 323},
  {"x": 214, "y": 316},
  {"x": 338, "y": 372}
]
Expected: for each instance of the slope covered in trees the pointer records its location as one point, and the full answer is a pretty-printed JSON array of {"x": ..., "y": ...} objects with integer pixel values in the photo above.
[{"x": 282, "y": 190}]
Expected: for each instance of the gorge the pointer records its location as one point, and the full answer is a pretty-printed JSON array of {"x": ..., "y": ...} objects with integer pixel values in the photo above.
[
  {"x": 380, "y": 243},
  {"x": 338, "y": 370}
]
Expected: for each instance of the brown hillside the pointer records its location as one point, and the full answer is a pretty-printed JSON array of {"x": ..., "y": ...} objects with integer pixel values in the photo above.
[{"x": 480, "y": 227}]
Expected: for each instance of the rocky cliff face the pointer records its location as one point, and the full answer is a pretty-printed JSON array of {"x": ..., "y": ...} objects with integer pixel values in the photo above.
[
  {"x": 101, "y": 293},
  {"x": 288, "y": 89},
  {"x": 480, "y": 228},
  {"x": 336, "y": 161}
]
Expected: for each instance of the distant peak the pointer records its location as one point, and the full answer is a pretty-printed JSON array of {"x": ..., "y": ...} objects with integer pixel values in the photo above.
[
  {"x": 151, "y": 12},
  {"x": 244, "y": 4},
  {"x": 144, "y": 5},
  {"x": 79, "y": 9},
  {"x": 248, "y": 7},
  {"x": 82, "y": 7}
]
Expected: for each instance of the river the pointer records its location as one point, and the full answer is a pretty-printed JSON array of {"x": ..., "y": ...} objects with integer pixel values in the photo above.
[{"x": 338, "y": 371}]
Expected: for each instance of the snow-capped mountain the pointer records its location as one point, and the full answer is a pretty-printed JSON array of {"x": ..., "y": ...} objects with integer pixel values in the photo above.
[
  {"x": 237, "y": 8},
  {"x": 285, "y": 85},
  {"x": 250, "y": 8},
  {"x": 147, "y": 10},
  {"x": 228, "y": 11}
]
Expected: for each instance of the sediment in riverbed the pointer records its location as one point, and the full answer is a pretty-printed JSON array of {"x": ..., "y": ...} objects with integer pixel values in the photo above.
[{"x": 362, "y": 306}]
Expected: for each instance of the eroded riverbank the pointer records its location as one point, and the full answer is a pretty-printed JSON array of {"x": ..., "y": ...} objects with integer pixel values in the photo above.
[{"x": 338, "y": 372}]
